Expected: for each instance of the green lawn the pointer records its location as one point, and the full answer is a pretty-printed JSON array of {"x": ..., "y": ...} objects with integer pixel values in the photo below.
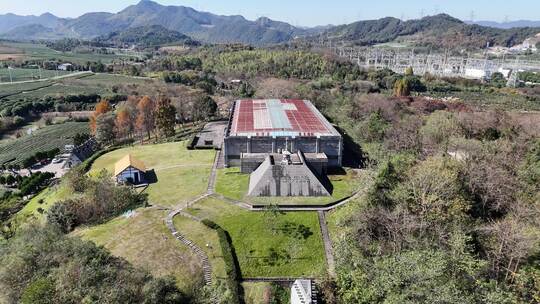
[
  {"x": 338, "y": 219},
  {"x": 288, "y": 245},
  {"x": 207, "y": 239},
  {"x": 145, "y": 241},
  {"x": 45, "y": 199},
  {"x": 182, "y": 174},
  {"x": 233, "y": 184},
  {"x": 18, "y": 74}
]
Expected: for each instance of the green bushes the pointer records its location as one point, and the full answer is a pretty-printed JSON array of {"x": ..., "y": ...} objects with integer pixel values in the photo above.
[
  {"x": 231, "y": 265},
  {"x": 40, "y": 264},
  {"x": 40, "y": 156},
  {"x": 34, "y": 182},
  {"x": 98, "y": 200},
  {"x": 282, "y": 64}
]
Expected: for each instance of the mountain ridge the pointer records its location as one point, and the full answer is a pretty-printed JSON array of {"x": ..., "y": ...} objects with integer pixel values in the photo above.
[{"x": 440, "y": 30}]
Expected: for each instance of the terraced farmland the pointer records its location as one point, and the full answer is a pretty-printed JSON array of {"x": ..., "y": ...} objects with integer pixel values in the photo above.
[{"x": 47, "y": 138}]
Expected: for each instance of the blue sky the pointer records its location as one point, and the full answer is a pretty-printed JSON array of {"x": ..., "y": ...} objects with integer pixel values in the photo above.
[{"x": 302, "y": 12}]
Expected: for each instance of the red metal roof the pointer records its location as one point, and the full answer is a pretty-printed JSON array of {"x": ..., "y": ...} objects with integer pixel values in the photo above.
[{"x": 274, "y": 117}]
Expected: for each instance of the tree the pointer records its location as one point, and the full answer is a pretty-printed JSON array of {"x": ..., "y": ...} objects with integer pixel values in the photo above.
[
  {"x": 498, "y": 80},
  {"x": 439, "y": 128},
  {"x": 105, "y": 129},
  {"x": 165, "y": 117},
  {"x": 123, "y": 125},
  {"x": 145, "y": 116},
  {"x": 376, "y": 126},
  {"x": 409, "y": 71},
  {"x": 204, "y": 108},
  {"x": 402, "y": 88},
  {"x": 101, "y": 108},
  {"x": 434, "y": 191}
]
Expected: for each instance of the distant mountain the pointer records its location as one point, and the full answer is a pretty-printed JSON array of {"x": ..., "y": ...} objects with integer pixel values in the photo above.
[
  {"x": 202, "y": 26},
  {"x": 31, "y": 32},
  {"x": 9, "y": 22},
  {"x": 439, "y": 31},
  {"x": 151, "y": 35},
  {"x": 507, "y": 25}
]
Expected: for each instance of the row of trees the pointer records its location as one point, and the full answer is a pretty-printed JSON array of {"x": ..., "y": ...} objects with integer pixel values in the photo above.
[{"x": 136, "y": 117}]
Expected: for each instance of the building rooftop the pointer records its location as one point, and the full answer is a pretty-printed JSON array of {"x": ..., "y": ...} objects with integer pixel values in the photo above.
[
  {"x": 278, "y": 117},
  {"x": 126, "y": 162}
]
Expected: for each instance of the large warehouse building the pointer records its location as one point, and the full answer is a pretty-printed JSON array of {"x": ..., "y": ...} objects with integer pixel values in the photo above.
[{"x": 260, "y": 127}]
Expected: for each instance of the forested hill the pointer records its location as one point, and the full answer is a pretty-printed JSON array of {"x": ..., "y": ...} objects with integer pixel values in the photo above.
[
  {"x": 440, "y": 31},
  {"x": 151, "y": 35},
  {"x": 202, "y": 26}
]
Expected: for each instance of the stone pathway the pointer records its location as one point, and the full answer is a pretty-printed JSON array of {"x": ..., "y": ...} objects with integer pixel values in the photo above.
[
  {"x": 203, "y": 257},
  {"x": 327, "y": 245},
  {"x": 207, "y": 267}
]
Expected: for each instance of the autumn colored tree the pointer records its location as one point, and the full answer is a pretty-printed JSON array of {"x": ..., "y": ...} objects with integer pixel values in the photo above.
[
  {"x": 105, "y": 128},
  {"x": 165, "y": 116},
  {"x": 123, "y": 125},
  {"x": 145, "y": 116},
  {"x": 101, "y": 108}
]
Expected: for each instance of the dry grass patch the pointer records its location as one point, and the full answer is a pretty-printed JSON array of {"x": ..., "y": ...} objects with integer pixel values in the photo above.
[{"x": 145, "y": 241}]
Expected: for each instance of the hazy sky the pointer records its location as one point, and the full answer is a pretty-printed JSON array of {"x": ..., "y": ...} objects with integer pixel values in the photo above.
[{"x": 301, "y": 12}]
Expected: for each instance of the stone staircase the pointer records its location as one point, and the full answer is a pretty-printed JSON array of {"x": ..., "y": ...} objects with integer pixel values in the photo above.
[{"x": 207, "y": 268}]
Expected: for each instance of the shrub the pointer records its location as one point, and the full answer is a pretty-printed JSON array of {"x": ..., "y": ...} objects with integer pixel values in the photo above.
[{"x": 229, "y": 256}]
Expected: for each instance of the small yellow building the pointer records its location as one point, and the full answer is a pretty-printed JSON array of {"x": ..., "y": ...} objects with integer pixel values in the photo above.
[{"x": 130, "y": 170}]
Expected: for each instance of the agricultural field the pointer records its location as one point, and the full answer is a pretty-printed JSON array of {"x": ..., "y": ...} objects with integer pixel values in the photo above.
[
  {"x": 143, "y": 239},
  {"x": 14, "y": 151},
  {"x": 100, "y": 84},
  {"x": 267, "y": 244},
  {"x": 31, "y": 51},
  {"x": 181, "y": 174},
  {"x": 231, "y": 183},
  {"x": 19, "y": 74}
]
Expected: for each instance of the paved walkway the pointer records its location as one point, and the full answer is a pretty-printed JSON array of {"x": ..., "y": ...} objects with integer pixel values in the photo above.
[{"x": 328, "y": 251}]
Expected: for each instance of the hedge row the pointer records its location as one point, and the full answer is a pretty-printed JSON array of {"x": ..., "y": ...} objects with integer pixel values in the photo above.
[{"x": 231, "y": 264}]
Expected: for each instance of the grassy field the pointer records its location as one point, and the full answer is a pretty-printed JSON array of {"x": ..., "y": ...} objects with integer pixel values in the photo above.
[
  {"x": 207, "y": 239},
  {"x": 44, "y": 200},
  {"x": 182, "y": 174},
  {"x": 289, "y": 244},
  {"x": 145, "y": 241},
  {"x": 18, "y": 74},
  {"x": 47, "y": 138},
  {"x": 337, "y": 219},
  {"x": 233, "y": 184}
]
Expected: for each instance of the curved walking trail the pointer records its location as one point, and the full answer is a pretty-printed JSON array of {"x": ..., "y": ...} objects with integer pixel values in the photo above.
[
  {"x": 207, "y": 267},
  {"x": 210, "y": 192}
]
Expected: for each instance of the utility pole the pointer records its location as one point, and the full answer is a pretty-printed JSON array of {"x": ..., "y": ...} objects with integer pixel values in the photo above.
[{"x": 10, "y": 77}]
